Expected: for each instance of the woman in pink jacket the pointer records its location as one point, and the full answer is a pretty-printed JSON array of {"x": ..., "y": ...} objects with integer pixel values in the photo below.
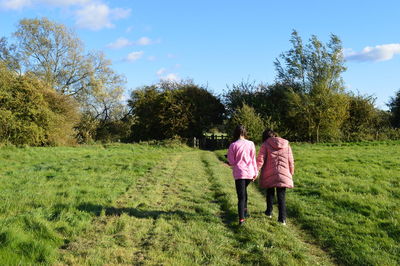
[
  {"x": 242, "y": 159},
  {"x": 275, "y": 159}
]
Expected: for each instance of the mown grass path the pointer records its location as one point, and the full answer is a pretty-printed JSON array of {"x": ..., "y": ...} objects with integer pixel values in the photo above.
[{"x": 183, "y": 212}]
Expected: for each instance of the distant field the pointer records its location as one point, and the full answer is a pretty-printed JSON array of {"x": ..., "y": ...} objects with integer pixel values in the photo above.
[{"x": 143, "y": 204}]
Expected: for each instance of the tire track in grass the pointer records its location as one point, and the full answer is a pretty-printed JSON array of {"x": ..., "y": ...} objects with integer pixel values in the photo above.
[
  {"x": 230, "y": 219},
  {"x": 174, "y": 222},
  {"x": 121, "y": 234},
  {"x": 198, "y": 237},
  {"x": 183, "y": 213},
  {"x": 147, "y": 241},
  {"x": 263, "y": 240}
]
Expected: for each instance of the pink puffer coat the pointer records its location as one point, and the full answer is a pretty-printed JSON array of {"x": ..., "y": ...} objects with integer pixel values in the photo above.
[{"x": 276, "y": 160}]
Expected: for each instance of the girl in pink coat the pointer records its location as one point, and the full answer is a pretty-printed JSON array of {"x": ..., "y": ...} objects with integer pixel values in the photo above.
[
  {"x": 275, "y": 159},
  {"x": 242, "y": 159}
]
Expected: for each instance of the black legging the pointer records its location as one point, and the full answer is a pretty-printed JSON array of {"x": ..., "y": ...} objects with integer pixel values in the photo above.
[
  {"x": 280, "y": 191},
  {"x": 241, "y": 190}
]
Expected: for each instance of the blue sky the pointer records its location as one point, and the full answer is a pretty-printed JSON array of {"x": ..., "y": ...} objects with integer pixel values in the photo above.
[{"x": 219, "y": 43}]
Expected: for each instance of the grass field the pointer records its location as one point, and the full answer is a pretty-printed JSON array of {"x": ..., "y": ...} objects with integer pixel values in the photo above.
[
  {"x": 347, "y": 197},
  {"x": 142, "y": 204}
]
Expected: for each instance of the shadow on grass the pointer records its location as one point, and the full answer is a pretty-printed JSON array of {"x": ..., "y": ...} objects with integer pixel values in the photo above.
[
  {"x": 134, "y": 212},
  {"x": 229, "y": 215}
]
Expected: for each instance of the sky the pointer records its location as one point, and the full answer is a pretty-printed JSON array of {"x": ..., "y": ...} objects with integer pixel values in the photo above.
[{"x": 219, "y": 43}]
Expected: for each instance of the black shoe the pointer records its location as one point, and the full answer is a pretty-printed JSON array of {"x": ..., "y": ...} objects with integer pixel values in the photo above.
[{"x": 269, "y": 214}]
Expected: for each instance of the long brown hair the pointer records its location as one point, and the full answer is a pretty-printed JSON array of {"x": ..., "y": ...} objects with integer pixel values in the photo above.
[
  {"x": 240, "y": 130},
  {"x": 268, "y": 133}
]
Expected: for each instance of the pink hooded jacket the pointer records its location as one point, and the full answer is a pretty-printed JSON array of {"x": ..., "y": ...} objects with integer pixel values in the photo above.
[{"x": 277, "y": 163}]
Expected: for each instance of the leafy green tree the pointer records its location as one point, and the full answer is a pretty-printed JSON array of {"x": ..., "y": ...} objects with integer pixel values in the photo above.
[
  {"x": 31, "y": 113},
  {"x": 382, "y": 126},
  {"x": 171, "y": 109},
  {"x": 394, "y": 107},
  {"x": 86, "y": 128},
  {"x": 269, "y": 101},
  {"x": 244, "y": 92},
  {"x": 205, "y": 110},
  {"x": 64, "y": 117},
  {"x": 145, "y": 104},
  {"x": 312, "y": 74},
  {"x": 9, "y": 55},
  {"x": 54, "y": 54},
  {"x": 360, "y": 124},
  {"x": 252, "y": 121}
]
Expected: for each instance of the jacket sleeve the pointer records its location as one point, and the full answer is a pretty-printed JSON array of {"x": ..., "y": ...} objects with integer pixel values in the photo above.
[
  {"x": 261, "y": 156},
  {"x": 253, "y": 157},
  {"x": 231, "y": 156},
  {"x": 291, "y": 161}
]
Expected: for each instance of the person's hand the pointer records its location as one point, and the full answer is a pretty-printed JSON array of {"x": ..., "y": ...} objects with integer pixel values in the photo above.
[{"x": 254, "y": 178}]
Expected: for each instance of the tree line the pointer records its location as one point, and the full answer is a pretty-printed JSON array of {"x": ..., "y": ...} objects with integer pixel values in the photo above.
[{"x": 53, "y": 92}]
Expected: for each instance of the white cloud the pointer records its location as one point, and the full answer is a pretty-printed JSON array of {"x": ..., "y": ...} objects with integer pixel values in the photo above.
[
  {"x": 124, "y": 42},
  {"x": 377, "y": 53},
  {"x": 90, "y": 14},
  {"x": 97, "y": 16},
  {"x": 143, "y": 41},
  {"x": 63, "y": 2},
  {"x": 134, "y": 56},
  {"x": 170, "y": 55},
  {"x": 171, "y": 77},
  {"x": 15, "y": 4},
  {"x": 119, "y": 43},
  {"x": 161, "y": 71},
  {"x": 20, "y": 4},
  {"x": 163, "y": 74},
  {"x": 152, "y": 58}
]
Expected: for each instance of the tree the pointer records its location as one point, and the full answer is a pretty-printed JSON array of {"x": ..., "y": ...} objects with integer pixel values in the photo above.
[
  {"x": 252, "y": 121},
  {"x": 104, "y": 103},
  {"x": 55, "y": 55},
  {"x": 269, "y": 101},
  {"x": 244, "y": 92},
  {"x": 9, "y": 55},
  {"x": 205, "y": 110},
  {"x": 32, "y": 113},
  {"x": 171, "y": 109},
  {"x": 312, "y": 74},
  {"x": 363, "y": 115},
  {"x": 145, "y": 104},
  {"x": 394, "y": 107}
]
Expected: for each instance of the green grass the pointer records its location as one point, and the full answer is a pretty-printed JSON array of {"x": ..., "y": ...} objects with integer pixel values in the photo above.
[
  {"x": 43, "y": 191},
  {"x": 347, "y": 196},
  {"x": 148, "y": 204}
]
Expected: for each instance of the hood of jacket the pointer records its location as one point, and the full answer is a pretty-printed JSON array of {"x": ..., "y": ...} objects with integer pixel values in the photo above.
[{"x": 277, "y": 143}]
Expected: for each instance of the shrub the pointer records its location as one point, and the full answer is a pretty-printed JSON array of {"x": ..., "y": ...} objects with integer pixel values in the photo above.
[{"x": 31, "y": 113}]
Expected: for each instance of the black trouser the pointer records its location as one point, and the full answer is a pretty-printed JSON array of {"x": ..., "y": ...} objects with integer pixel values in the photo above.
[
  {"x": 280, "y": 191},
  {"x": 241, "y": 190}
]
